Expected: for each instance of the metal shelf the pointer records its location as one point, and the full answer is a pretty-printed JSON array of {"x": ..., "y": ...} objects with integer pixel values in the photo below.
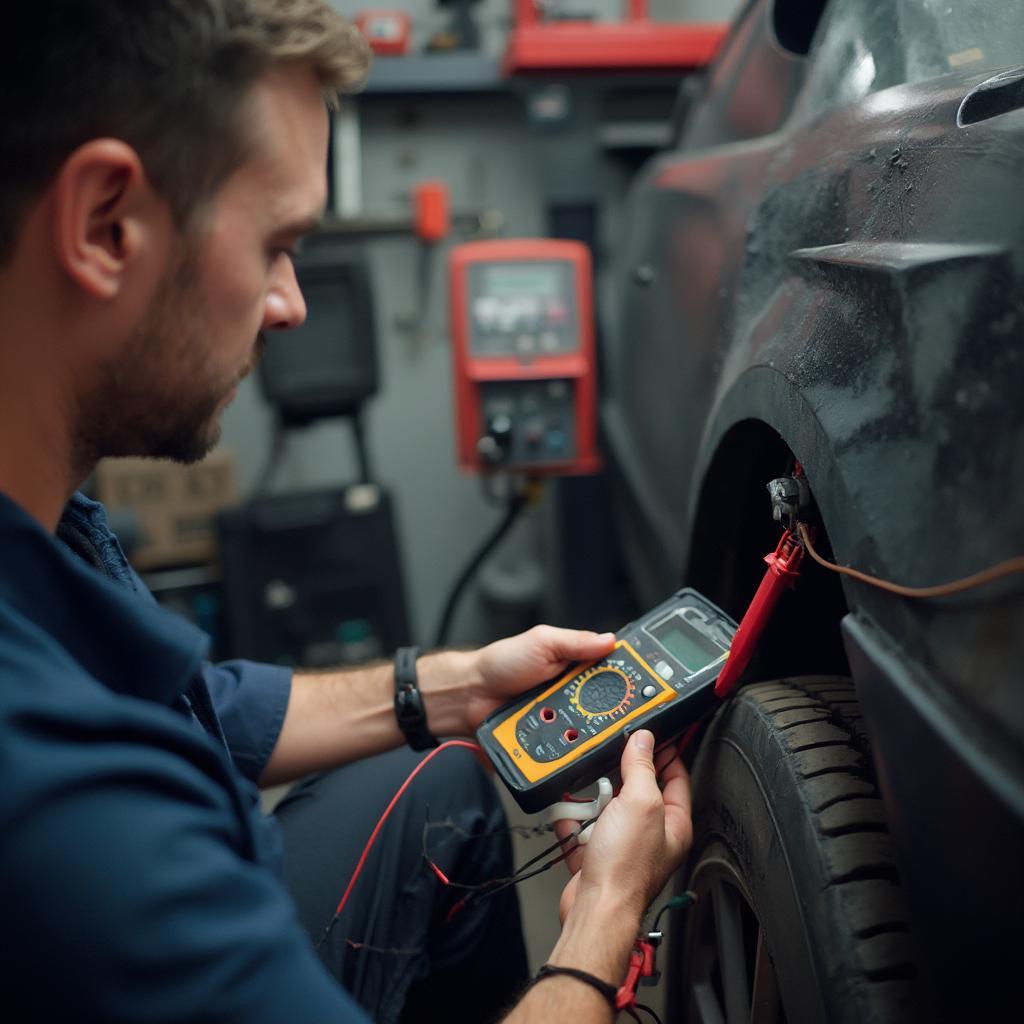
[{"x": 436, "y": 73}]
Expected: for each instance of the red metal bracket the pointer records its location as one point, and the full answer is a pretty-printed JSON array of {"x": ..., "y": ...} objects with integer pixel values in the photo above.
[{"x": 635, "y": 44}]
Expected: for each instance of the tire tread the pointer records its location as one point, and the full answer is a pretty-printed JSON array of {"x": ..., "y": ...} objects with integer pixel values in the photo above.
[{"x": 819, "y": 729}]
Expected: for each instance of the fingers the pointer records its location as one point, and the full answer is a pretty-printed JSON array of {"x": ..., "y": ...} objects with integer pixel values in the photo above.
[
  {"x": 663, "y": 757},
  {"x": 668, "y": 789},
  {"x": 638, "y": 761},
  {"x": 575, "y": 644},
  {"x": 676, "y": 794}
]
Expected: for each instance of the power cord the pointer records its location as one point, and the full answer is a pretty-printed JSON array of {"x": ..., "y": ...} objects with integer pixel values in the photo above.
[{"x": 516, "y": 502}]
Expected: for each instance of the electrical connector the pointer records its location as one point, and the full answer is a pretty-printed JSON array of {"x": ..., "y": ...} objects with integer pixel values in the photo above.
[{"x": 789, "y": 494}]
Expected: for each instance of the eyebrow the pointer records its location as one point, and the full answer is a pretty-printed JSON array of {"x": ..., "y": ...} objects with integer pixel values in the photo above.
[{"x": 297, "y": 228}]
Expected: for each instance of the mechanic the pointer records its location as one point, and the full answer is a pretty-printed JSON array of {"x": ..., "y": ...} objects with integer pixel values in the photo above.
[{"x": 160, "y": 163}]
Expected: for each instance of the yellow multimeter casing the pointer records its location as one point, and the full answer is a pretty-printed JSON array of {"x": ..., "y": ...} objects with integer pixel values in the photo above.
[{"x": 568, "y": 732}]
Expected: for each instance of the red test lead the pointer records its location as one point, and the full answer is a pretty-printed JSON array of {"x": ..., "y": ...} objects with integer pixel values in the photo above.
[{"x": 783, "y": 571}]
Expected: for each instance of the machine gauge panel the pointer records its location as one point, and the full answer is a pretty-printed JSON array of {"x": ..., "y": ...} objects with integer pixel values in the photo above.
[
  {"x": 522, "y": 320},
  {"x": 523, "y": 308}
]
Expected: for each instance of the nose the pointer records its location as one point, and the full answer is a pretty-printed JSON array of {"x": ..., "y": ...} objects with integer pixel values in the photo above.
[{"x": 285, "y": 307}]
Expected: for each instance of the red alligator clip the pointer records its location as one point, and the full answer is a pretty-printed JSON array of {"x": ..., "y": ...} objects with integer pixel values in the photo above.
[
  {"x": 783, "y": 570},
  {"x": 641, "y": 965}
]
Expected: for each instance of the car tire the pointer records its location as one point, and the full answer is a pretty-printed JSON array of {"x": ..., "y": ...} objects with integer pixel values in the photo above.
[{"x": 800, "y": 916}]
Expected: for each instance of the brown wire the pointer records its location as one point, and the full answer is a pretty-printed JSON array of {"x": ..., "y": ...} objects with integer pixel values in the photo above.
[{"x": 1011, "y": 565}]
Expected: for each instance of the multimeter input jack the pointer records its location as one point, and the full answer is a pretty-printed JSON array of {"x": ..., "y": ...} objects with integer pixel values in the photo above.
[
  {"x": 571, "y": 735},
  {"x": 547, "y": 714}
]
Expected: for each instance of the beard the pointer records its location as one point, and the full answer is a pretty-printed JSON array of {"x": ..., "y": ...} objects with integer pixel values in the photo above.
[{"x": 163, "y": 396}]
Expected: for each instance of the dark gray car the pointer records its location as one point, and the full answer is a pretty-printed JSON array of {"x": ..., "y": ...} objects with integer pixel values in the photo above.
[{"x": 829, "y": 270}]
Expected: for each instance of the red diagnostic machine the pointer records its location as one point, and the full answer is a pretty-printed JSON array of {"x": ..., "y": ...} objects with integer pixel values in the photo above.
[{"x": 523, "y": 339}]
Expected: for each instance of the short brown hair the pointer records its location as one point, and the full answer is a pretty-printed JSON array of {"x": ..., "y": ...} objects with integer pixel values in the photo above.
[{"x": 169, "y": 77}]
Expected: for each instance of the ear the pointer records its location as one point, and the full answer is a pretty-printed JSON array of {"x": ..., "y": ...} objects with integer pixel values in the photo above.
[{"x": 105, "y": 215}]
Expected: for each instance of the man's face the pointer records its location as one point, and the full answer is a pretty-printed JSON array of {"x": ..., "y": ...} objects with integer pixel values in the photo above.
[{"x": 230, "y": 279}]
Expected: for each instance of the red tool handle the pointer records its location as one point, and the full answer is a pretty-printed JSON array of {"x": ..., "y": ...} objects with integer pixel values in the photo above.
[
  {"x": 641, "y": 965},
  {"x": 783, "y": 570},
  {"x": 430, "y": 210}
]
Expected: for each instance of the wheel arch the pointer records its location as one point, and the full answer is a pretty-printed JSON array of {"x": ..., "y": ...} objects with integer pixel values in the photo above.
[{"x": 747, "y": 444}]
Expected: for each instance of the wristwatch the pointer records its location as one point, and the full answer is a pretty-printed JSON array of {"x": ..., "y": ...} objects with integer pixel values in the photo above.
[{"x": 409, "y": 710}]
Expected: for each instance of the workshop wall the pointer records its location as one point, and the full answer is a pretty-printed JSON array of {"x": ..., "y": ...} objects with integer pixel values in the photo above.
[{"x": 481, "y": 146}]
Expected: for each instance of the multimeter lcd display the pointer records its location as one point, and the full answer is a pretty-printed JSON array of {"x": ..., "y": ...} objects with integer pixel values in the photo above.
[
  {"x": 692, "y": 649},
  {"x": 569, "y": 731}
]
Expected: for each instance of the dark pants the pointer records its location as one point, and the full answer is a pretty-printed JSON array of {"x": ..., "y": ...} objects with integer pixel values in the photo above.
[{"x": 393, "y": 948}]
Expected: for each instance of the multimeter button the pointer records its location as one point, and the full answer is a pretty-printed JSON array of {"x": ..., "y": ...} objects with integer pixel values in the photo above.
[
  {"x": 665, "y": 670},
  {"x": 649, "y": 690},
  {"x": 555, "y": 439},
  {"x": 526, "y": 343}
]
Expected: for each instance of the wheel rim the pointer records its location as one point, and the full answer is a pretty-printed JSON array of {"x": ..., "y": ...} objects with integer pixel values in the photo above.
[{"x": 731, "y": 977}]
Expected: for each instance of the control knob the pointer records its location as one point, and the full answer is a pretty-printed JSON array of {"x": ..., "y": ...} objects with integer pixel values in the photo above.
[{"x": 493, "y": 447}]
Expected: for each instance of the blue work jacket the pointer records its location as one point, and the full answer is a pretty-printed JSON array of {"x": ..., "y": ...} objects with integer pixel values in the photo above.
[{"x": 140, "y": 879}]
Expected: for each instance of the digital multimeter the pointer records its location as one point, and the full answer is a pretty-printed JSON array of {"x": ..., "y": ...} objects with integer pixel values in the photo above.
[{"x": 570, "y": 731}]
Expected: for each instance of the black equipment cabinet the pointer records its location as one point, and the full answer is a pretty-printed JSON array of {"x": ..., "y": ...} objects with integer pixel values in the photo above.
[{"x": 313, "y": 579}]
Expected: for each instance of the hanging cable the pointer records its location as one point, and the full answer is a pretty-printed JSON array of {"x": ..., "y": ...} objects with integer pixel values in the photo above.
[
  {"x": 482, "y": 890},
  {"x": 477, "y": 892},
  {"x": 517, "y": 501},
  {"x": 380, "y": 824},
  {"x": 978, "y": 579},
  {"x": 362, "y": 452},
  {"x": 648, "y": 1010},
  {"x": 680, "y": 902}
]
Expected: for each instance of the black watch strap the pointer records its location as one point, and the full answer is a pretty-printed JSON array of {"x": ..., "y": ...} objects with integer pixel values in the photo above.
[{"x": 409, "y": 710}]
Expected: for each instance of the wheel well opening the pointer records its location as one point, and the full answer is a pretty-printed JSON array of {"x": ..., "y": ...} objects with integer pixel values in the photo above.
[
  {"x": 795, "y": 23},
  {"x": 734, "y": 530}
]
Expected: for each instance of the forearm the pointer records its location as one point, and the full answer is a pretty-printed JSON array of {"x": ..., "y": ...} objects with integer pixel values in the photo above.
[
  {"x": 336, "y": 717},
  {"x": 341, "y": 716},
  {"x": 596, "y": 939}
]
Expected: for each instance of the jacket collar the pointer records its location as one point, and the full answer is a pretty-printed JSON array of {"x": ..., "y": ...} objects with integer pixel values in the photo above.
[{"x": 120, "y": 637}]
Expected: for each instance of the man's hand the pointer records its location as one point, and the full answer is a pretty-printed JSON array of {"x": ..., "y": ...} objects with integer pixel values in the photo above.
[
  {"x": 641, "y": 837},
  {"x": 639, "y": 840},
  {"x": 506, "y": 668}
]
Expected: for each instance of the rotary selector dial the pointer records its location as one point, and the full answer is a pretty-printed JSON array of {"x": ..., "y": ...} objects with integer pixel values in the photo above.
[{"x": 603, "y": 689}]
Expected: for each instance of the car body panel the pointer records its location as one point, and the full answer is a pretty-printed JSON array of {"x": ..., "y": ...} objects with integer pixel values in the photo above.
[{"x": 852, "y": 283}]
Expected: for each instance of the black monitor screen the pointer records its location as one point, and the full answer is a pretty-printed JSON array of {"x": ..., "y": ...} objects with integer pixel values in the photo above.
[
  {"x": 328, "y": 365},
  {"x": 324, "y": 346}
]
